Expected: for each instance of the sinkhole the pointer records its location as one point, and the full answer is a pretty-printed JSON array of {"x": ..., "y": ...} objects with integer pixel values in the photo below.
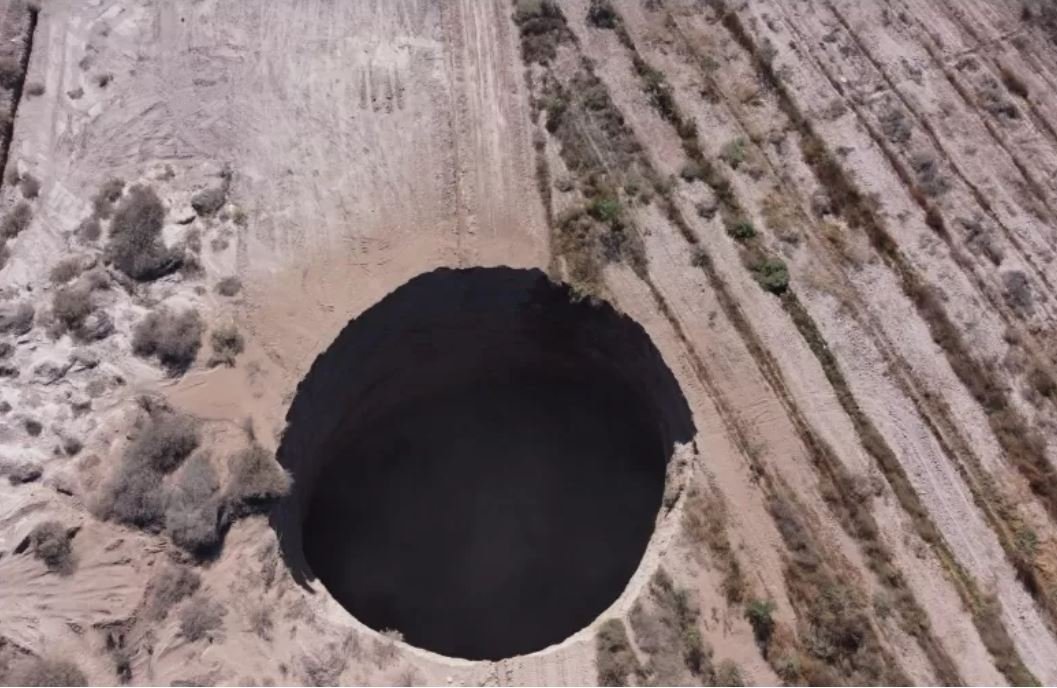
[{"x": 479, "y": 461}]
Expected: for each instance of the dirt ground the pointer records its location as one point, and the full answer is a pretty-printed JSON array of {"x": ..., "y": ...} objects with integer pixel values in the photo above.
[{"x": 875, "y": 464}]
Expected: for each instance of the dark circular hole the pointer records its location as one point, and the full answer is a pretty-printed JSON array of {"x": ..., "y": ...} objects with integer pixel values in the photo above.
[{"x": 479, "y": 461}]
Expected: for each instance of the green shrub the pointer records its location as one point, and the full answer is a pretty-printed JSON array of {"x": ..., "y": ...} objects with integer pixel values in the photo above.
[
  {"x": 605, "y": 209},
  {"x": 760, "y": 614},
  {"x": 173, "y": 338},
  {"x": 772, "y": 274},
  {"x": 734, "y": 152},
  {"x": 741, "y": 229}
]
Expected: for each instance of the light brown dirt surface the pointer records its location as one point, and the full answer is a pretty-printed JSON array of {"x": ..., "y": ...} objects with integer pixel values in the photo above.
[{"x": 834, "y": 219}]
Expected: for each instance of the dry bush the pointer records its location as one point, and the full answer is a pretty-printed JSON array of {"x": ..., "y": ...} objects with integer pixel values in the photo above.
[
  {"x": 70, "y": 306},
  {"x": 164, "y": 443},
  {"x": 201, "y": 618},
  {"x": 108, "y": 194},
  {"x": 192, "y": 512},
  {"x": 227, "y": 345},
  {"x": 46, "y": 671},
  {"x": 173, "y": 338},
  {"x": 50, "y": 542},
  {"x": 229, "y": 286},
  {"x": 135, "y": 246},
  {"x": 617, "y": 663},
  {"x": 135, "y": 494},
  {"x": 65, "y": 270},
  {"x": 89, "y": 229},
  {"x": 30, "y": 186},
  {"x": 35, "y": 89},
  {"x": 16, "y": 318},
  {"x": 255, "y": 480},
  {"x": 209, "y": 201},
  {"x": 16, "y": 221},
  {"x": 173, "y": 584}
]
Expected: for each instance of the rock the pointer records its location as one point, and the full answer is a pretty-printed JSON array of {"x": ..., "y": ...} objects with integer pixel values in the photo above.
[{"x": 21, "y": 472}]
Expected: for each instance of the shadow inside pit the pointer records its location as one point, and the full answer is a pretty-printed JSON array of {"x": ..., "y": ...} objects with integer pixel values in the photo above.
[{"x": 479, "y": 461}]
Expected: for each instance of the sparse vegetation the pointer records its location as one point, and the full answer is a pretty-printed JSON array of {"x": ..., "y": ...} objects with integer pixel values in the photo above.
[
  {"x": 734, "y": 152},
  {"x": 174, "y": 338},
  {"x": 616, "y": 660},
  {"x": 666, "y": 629},
  {"x": 173, "y": 584},
  {"x": 705, "y": 521},
  {"x": 542, "y": 28},
  {"x": 50, "y": 542},
  {"x": 135, "y": 245},
  {"x": 201, "y": 618}
]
